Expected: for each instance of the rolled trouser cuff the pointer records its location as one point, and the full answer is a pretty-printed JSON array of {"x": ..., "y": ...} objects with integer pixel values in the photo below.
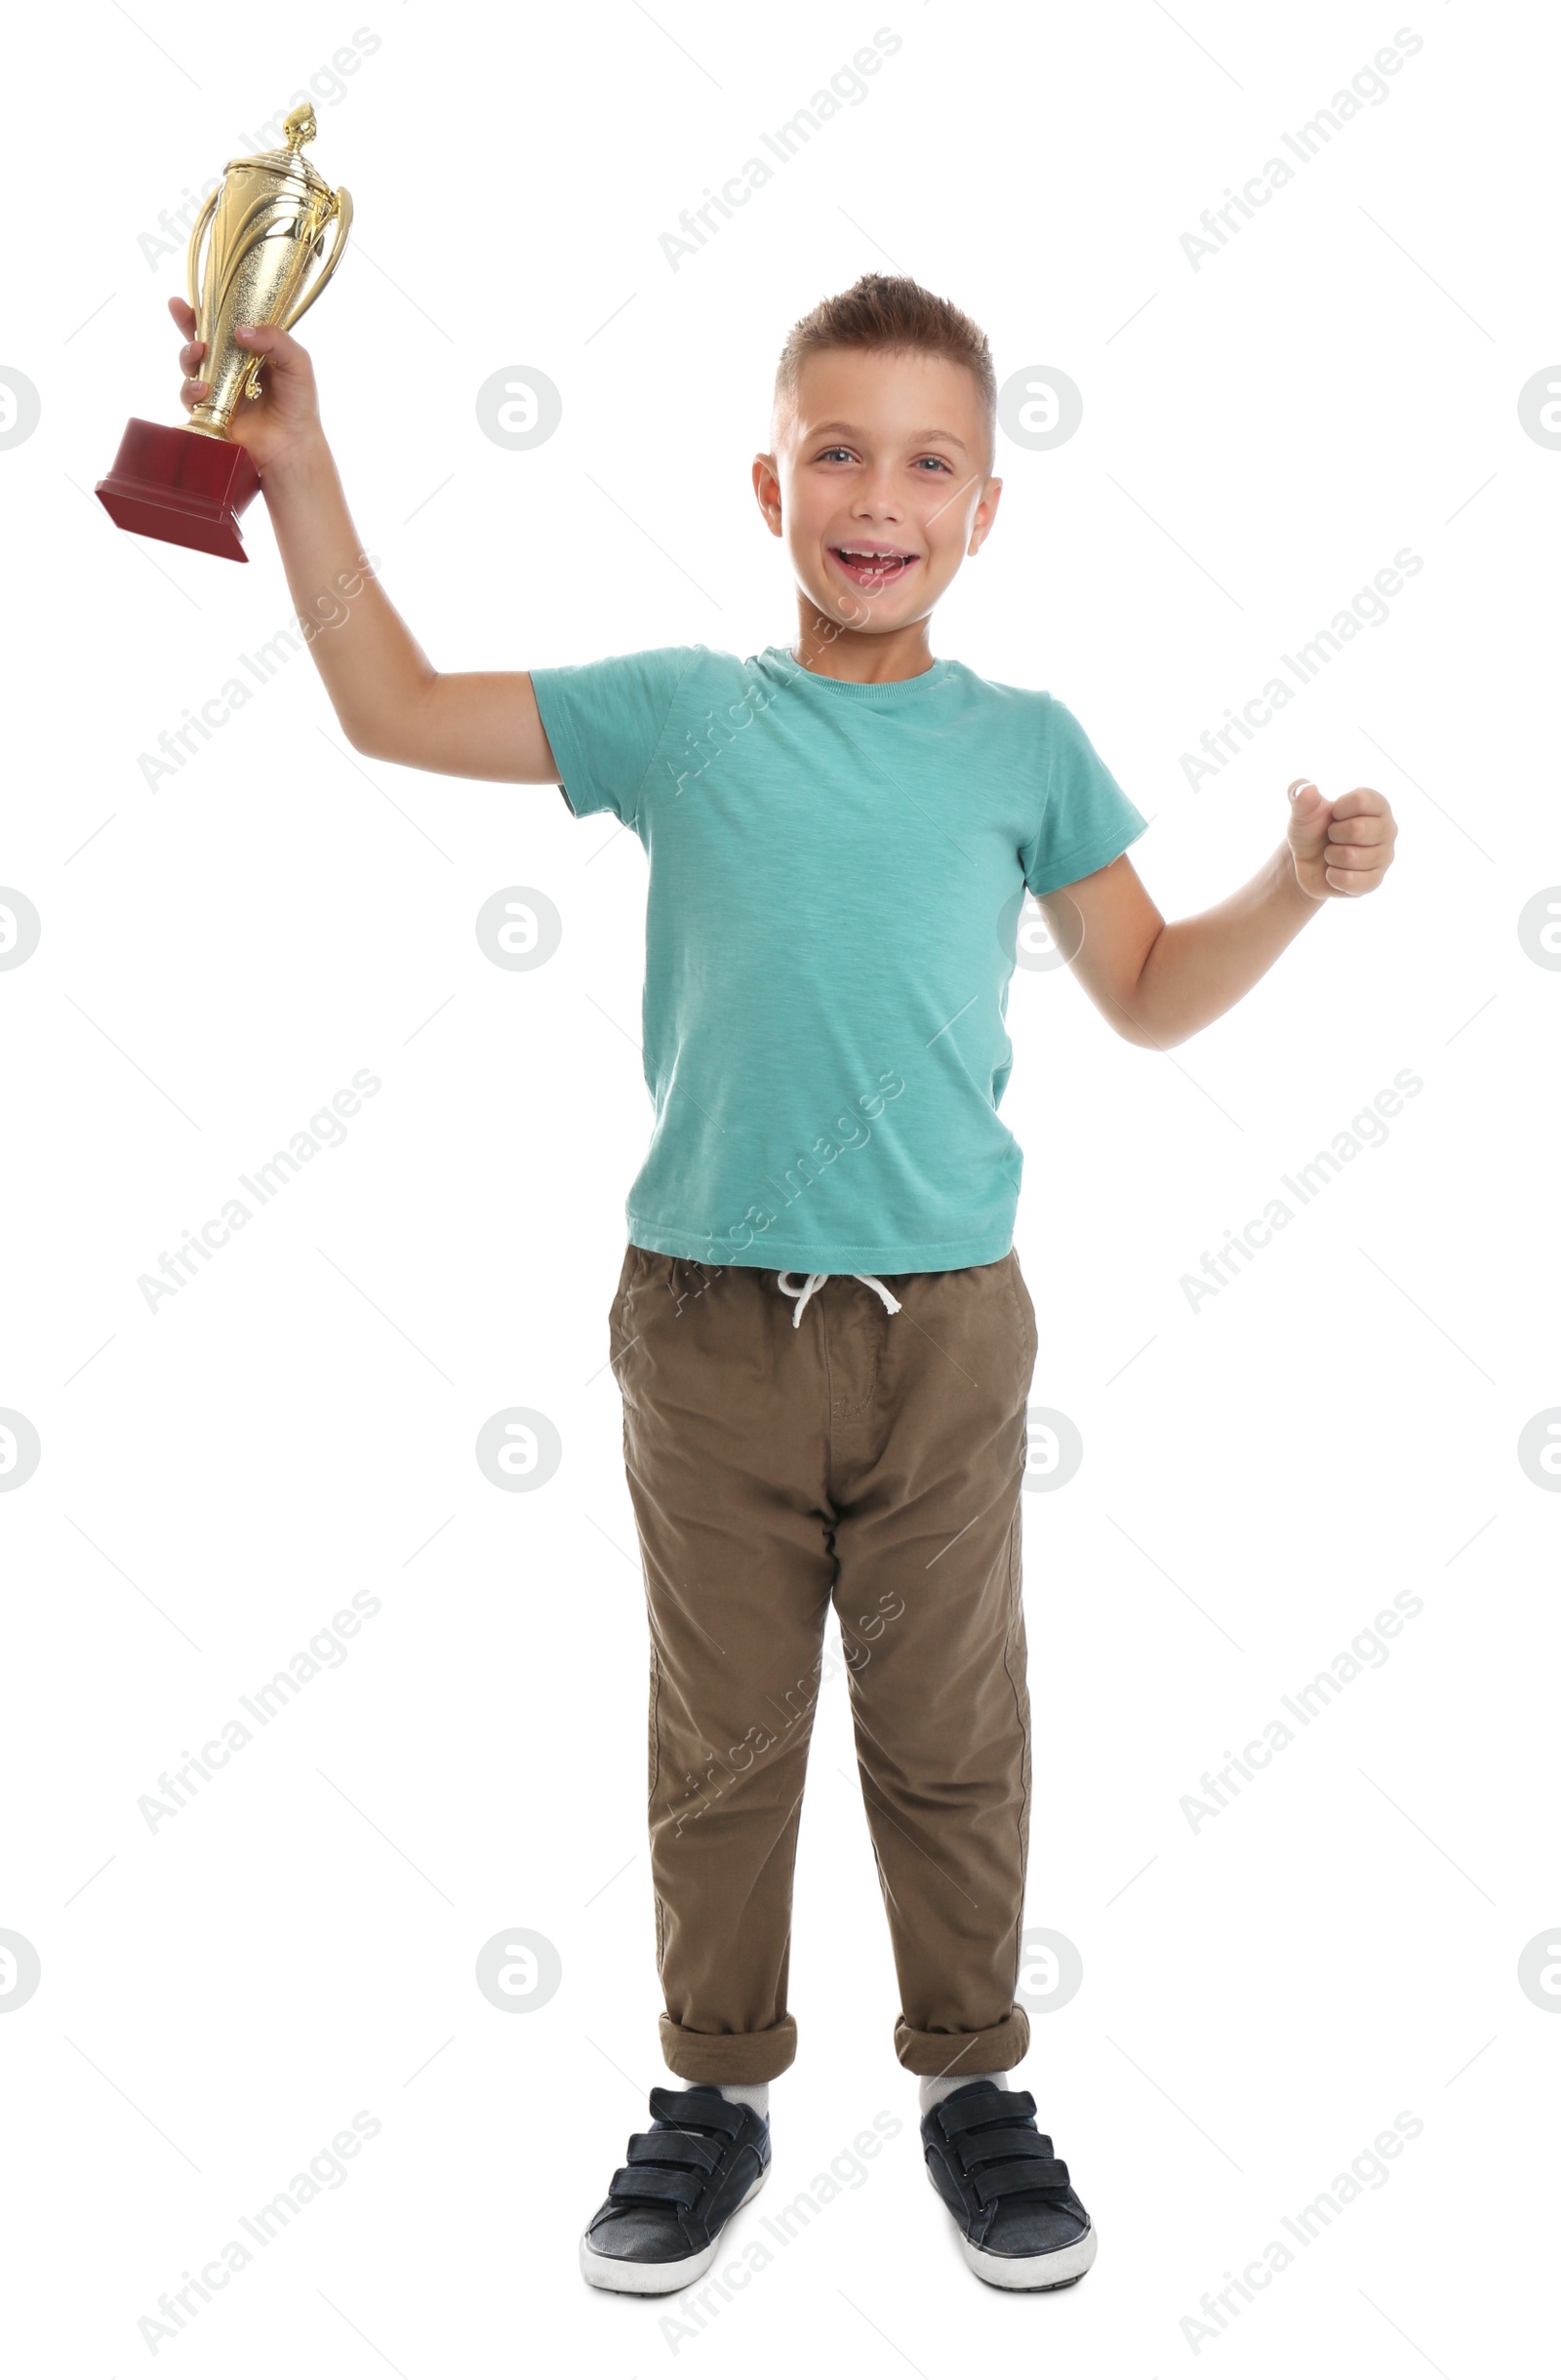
[
  {"x": 729, "y": 2057},
  {"x": 990, "y": 2052}
]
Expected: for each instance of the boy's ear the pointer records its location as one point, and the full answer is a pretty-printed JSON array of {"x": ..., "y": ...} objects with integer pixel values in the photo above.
[
  {"x": 767, "y": 491},
  {"x": 981, "y": 529}
]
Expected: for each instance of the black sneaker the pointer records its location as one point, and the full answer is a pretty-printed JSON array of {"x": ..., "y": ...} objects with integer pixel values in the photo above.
[
  {"x": 660, "y": 2226},
  {"x": 1020, "y": 2225}
]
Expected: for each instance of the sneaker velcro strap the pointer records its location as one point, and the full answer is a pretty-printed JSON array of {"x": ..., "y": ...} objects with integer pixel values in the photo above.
[
  {"x": 1004, "y": 2140},
  {"x": 1046, "y": 2174},
  {"x": 680, "y": 2187},
  {"x": 992, "y": 2106},
  {"x": 705, "y": 2109},
  {"x": 667, "y": 2148}
]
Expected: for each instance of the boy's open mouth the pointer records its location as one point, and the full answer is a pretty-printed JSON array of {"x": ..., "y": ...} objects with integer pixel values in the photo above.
[{"x": 872, "y": 567}]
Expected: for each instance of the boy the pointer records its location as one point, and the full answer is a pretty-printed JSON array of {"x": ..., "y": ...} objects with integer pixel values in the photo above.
[{"x": 821, "y": 1331}]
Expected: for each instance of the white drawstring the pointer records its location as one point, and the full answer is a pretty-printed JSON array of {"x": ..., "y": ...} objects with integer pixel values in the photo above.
[{"x": 816, "y": 1281}]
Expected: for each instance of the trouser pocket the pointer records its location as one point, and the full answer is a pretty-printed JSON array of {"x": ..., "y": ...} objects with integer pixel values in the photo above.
[
  {"x": 1024, "y": 1313},
  {"x": 618, "y": 1331}
]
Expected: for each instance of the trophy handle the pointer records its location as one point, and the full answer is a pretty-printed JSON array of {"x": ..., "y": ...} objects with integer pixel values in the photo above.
[
  {"x": 192, "y": 278},
  {"x": 343, "y": 212}
]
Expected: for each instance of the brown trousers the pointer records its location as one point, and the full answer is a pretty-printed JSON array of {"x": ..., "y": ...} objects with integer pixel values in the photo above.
[{"x": 872, "y": 1461}]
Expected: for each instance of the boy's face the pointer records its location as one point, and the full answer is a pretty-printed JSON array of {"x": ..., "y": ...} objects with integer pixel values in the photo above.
[{"x": 886, "y": 454}]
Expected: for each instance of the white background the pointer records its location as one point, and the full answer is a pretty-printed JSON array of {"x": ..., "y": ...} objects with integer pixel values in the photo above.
[{"x": 219, "y": 954}]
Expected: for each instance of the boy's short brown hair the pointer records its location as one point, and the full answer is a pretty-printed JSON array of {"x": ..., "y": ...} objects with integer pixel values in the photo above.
[{"x": 890, "y": 314}]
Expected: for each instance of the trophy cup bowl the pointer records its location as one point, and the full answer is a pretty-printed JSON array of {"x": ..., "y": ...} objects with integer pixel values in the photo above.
[{"x": 268, "y": 217}]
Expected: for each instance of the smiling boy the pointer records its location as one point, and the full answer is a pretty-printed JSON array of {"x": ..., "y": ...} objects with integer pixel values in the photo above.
[{"x": 821, "y": 1331}]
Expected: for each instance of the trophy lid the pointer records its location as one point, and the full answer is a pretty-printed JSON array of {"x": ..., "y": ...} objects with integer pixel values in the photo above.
[{"x": 300, "y": 127}]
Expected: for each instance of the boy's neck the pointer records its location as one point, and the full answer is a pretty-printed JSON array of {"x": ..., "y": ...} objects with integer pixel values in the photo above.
[{"x": 862, "y": 657}]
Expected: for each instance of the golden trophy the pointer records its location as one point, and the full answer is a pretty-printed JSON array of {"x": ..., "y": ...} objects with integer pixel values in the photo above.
[{"x": 268, "y": 220}]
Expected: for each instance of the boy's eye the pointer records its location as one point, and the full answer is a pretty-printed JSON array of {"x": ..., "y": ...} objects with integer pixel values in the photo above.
[{"x": 937, "y": 461}]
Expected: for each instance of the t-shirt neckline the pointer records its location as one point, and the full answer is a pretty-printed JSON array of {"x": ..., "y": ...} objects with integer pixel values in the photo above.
[{"x": 888, "y": 690}]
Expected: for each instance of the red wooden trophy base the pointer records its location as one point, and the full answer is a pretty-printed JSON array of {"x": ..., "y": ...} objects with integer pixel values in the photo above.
[{"x": 179, "y": 485}]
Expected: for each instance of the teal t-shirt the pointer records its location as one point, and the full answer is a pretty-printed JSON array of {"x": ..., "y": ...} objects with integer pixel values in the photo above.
[{"x": 836, "y": 874}]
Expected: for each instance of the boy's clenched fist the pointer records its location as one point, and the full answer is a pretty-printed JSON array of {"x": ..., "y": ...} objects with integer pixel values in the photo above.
[{"x": 1343, "y": 847}]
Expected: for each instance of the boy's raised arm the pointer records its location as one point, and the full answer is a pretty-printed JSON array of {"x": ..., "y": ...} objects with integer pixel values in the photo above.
[{"x": 391, "y": 701}]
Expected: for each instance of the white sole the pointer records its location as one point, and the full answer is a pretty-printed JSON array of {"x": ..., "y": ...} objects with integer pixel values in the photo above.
[
  {"x": 658, "y": 2280},
  {"x": 1052, "y": 2272}
]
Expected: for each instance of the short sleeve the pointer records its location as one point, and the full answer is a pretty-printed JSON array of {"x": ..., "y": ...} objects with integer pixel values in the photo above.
[
  {"x": 603, "y": 721},
  {"x": 1086, "y": 817}
]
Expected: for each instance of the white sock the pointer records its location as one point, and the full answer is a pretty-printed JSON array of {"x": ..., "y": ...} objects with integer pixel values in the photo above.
[
  {"x": 932, "y": 2087},
  {"x": 749, "y": 2094}
]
